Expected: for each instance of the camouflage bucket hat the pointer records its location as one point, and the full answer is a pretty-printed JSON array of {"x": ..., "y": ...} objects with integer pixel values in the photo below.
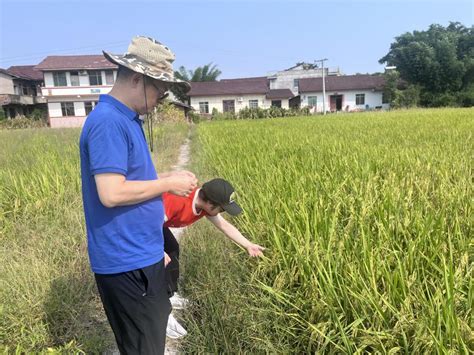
[{"x": 147, "y": 56}]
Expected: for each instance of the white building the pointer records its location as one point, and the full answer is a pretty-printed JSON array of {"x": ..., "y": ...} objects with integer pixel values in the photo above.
[
  {"x": 231, "y": 95},
  {"x": 72, "y": 85},
  {"x": 289, "y": 78},
  {"x": 344, "y": 93}
]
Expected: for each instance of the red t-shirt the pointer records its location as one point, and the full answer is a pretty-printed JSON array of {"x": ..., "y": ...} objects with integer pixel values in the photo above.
[{"x": 181, "y": 211}]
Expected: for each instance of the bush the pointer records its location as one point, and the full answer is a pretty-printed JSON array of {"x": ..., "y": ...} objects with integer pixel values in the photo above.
[
  {"x": 38, "y": 114},
  {"x": 258, "y": 113},
  {"x": 466, "y": 98},
  {"x": 220, "y": 116},
  {"x": 23, "y": 122},
  {"x": 195, "y": 117},
  {"x": 167, "y": 112},
  {"x": 2, "y": 114}
]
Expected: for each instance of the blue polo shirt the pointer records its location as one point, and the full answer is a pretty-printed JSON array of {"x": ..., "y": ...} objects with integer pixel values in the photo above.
[{"x": 122, "y": 238}]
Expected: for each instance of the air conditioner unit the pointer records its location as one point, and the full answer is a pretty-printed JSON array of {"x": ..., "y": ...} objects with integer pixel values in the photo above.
[
  {"x": 83, "y": 72},
  {"x": 240, "y": 99}
]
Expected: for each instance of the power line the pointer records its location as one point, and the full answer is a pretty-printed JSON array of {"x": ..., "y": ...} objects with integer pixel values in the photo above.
[{"x": 35, "y": 55}]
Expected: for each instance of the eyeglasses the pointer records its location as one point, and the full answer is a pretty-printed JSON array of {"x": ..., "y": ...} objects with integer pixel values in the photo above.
[{"x": 163, "y": 91}]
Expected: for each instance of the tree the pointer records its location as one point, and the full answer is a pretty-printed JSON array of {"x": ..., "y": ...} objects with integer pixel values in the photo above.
[
  {"x": 440, "y": 61},
  {"x": 207, "y": 72},
  {"x": 399, "y": 93}
]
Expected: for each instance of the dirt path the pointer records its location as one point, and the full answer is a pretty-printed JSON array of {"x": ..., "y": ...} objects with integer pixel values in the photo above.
[{"x": 172, "y": 345}]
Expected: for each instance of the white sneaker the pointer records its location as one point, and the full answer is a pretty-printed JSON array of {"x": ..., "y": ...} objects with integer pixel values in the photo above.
[
  {"x": 174, "y": 330},
  {"x": 178, "y": 302}
]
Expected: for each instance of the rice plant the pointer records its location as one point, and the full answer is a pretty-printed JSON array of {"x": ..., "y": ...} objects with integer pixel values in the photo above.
[{"x": 368, "y": 223}]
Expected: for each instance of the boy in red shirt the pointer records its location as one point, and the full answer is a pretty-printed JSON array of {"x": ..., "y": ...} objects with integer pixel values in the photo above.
[{"x": 213, "y": 198}]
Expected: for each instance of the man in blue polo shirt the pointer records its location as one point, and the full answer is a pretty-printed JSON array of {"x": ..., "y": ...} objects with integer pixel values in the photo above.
[{"x": 122, "y": 198}]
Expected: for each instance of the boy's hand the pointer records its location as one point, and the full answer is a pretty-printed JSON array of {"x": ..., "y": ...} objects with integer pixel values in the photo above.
[
  {"x": 167, "y": 259},
  {"x": 255, "y": 250}
]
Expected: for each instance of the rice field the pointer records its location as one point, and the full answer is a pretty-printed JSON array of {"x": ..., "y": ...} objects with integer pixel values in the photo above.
[
  {"x": 367, "y": 220},
  {"x": 48, "y": 297},
  {"x": 368, "y": 223}
]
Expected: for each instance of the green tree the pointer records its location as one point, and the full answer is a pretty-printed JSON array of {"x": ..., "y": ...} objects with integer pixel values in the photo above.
[
  {"x": 208, "y": 72},
  {"x": 440, "y": 61}
]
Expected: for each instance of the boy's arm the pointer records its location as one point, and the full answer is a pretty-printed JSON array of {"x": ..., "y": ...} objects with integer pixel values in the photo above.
[{"x": 233, "y": 233}]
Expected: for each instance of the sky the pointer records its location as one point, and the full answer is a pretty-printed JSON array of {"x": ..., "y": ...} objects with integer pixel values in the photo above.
[{"x": 243, "y": 38}]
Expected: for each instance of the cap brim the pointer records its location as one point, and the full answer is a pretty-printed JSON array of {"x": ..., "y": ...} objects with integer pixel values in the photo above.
[
  {"x": 122, "y": 60},
  {"x": 232, "y": 208}
]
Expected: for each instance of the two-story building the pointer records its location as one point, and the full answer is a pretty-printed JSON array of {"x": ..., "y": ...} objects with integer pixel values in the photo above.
[
  {"x": 20, "y": 92},
  {"x": 290, "y": 78},
  {"x": 72, "y": 85}
]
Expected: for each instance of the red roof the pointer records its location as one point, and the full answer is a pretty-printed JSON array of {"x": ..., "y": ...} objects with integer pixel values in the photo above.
[
  {"x": 64, "y": 62},
  {"x": 257, "y": 85},
  {"x": 26, "y": 72},
  {"x": 343, "y": 82}
]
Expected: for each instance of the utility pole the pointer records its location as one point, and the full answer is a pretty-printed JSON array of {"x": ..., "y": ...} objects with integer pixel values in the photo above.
[{"x": 324, "y": 84}]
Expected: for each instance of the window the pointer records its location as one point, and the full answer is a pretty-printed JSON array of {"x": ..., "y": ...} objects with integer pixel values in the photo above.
[
  {"x": 228, "y": 106},
  {"x": 74, "y": 78},
  {"x": 204, "y": 107},
  {"x": 67, "y": 109},
  {"x": 109, "y": 77},
  {"x": 89, "y": 106},
  {"x": 276, "y": 103},
  {"x": 95, "y": 77},
  {"x": 253, "y": 103},
  {"x": 312, "y": 101},
  {"x": 296, "y": 83},
  {"x": 385, "y": 98},
  {"x": 360, "y": 99},
  {"x": 25, "y": 90},
  {"x": 59, "y": 78}
]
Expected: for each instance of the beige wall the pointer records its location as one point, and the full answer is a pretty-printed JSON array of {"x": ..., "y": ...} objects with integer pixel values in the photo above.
[
  {"x": 60, "y": 122},
  {"x": 6, "y": 84},
  {"x": 241, "y": 101}
]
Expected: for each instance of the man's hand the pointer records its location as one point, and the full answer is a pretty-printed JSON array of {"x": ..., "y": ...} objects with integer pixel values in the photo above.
[
  {"x": 176, "y": 173},
  {"x": 182, "y": 184},
  {"x": 167, "y": 259},
  {"x": 255, "y": 250}
]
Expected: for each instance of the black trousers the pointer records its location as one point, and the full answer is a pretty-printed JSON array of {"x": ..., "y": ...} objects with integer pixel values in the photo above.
[
  {"x": 172, "y": 269},
  {"x": 137, "y": 306}
]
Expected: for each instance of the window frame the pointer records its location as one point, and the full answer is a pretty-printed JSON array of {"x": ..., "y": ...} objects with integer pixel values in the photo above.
[
  {"x": 95, "y": 74},
  {"x": 253, "y": 103},
  {"x": 65, "y": 110},
  {"x": 315, "y": 99},
  {"x": 111, "y": 74},
  {"x": 92, "y": 106},
  {"x": 76, "y": 75},
  {"x": 205, "y": 105},
  {"x": 273, "y": 103},
  {"x": 358, "y": 99},
  {"x": 58, "y": 76}
]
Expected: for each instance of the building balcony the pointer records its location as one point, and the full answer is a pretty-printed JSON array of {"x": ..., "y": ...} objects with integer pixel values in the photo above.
[
  {"x": 10, "y": 99},
  {"x": 75, "y": 90}
]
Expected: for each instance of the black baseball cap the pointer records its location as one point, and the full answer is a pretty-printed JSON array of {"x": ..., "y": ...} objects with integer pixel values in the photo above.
[{"x": 221, "y": 192}]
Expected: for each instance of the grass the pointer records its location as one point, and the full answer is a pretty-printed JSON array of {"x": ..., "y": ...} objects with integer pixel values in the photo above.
[
  {"x": 368, "y": 223},
  {"x": 47, "y": 293}
]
